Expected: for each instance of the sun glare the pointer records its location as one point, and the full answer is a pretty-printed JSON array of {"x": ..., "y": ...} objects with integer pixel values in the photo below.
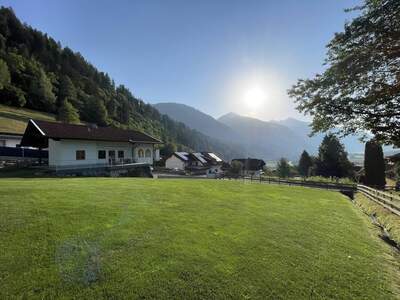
[{"x": 254, "y": 97}]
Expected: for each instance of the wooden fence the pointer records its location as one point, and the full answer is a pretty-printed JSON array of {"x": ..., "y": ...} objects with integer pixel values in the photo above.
[
  {"x": 306, "y": 183},
  {"x": 387, "y": 200}
]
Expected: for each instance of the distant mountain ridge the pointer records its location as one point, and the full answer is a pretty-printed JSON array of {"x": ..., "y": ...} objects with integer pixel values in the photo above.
[
  {"x": 269, "y": 140},
  {"x": 195, "y": 119}
]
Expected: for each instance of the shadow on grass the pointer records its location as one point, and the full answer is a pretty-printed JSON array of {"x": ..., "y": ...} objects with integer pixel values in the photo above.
[{"x": 25, "y": 173}]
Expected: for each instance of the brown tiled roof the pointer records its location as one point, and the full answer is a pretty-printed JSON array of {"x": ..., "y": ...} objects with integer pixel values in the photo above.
[{"x": 84, "y": 132}]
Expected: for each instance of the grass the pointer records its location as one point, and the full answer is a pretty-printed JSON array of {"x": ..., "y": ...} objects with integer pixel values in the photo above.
[
  {"x": 14, "y": 120},
  {"x": 129, "y": 238},
  {"x": 388, "y": 220}
]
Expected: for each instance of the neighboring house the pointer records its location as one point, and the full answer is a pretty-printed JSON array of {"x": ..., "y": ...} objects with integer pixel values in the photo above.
[
  {"x": 251, "y": 166},
  {"x": 196, "y": 162},
  {"x": 10, "y": 139},
  {"x": 182, "y": 161},
  {"x": 214, "y": 163},
  {"x": 82, "y": 146},
  {"x": 11, "y": 152}
]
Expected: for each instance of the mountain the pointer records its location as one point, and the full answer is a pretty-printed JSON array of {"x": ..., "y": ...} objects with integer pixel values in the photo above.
[
  {"x": 198, "y": 120},
  {"x": 267, "y": 139},
  {"x": 352, "y": 143},
  {"x": 37, "y": 73}
]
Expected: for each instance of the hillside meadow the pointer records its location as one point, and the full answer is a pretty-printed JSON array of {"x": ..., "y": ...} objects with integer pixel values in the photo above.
[{"x": 106, "y": 238}]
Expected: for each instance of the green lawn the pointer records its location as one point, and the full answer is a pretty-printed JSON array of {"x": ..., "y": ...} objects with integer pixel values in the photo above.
[
  {"x": 14, "y": 120},
  {"x": 186, "y": 239}
]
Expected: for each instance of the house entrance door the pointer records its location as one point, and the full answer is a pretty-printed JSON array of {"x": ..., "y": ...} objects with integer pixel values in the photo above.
[{"x": 111, "y": 156}]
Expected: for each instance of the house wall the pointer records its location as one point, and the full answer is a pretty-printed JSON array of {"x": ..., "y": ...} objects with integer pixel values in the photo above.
[
  {"x": 9, "y": 141},
  {"x": 63, "y": 152},
  {"x": 214, "y": 169},
  {"x": 147, "y": 149},
  {"x": 174, "y": 163}
]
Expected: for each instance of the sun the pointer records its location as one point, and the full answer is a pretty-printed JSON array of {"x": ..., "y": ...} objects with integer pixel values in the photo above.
[{"x": 254, "y": 97}]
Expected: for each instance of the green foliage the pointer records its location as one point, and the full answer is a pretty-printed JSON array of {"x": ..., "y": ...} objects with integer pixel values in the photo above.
[
  {"x": 66, "y": 90},
  {"x": 332, "y": 159},
  {"x": 360, "y": 87},
  {"x": 236, "y": 167},
  {"x": 283, "y": 168},
  {"x": 44, "y": 74},
  {"x": 397, "y": 170},
  {"x": 95, "y": 111},
  {"x": 305, "y": 164},
  {"x": 167, "y": 150},
  {"x": 5, "y": 77},
  {"x": 374, "y": 165},
  {"x": 40, "y": 92},
  {"x": 67, "y": 113},
  {"x": 12, "y": 95}
]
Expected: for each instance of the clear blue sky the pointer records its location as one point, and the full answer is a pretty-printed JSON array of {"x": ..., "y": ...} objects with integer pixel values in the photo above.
[{"x": 212, "y": 55}]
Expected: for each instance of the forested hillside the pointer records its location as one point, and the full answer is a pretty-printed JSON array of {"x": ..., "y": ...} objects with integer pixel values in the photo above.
[{"x": 36, "y": 72}]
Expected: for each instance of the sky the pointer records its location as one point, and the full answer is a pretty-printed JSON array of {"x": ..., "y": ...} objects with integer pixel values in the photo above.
[{"x": 217, "y": 56}]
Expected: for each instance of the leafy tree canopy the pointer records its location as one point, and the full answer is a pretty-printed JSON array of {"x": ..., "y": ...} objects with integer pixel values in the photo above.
[{"x": 360, "y": 89}]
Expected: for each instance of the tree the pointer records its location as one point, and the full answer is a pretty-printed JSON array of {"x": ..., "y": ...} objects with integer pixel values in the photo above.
[
  {"x": 66, "y": 89},
  {"x": 67, "y": 113},
  {"x": 5, "y": 77},
  {"x": 95, "y": 111},
  {"x": 332, "y": 158},
  {"x": 374, "y": 165},
  {"x": 41, "y": 90},
  {"x": 167, "y": 150},
  {"x": 236, "y": 167},
  {"x": 283, "y": 168},
  {"x": 305, "y": 164},
  {"x": 360, "y": 88},
  {"x": 12, "y": 95}
]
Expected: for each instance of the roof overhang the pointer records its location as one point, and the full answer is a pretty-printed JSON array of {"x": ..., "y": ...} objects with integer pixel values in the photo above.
[{"x": 34, "y": 136}]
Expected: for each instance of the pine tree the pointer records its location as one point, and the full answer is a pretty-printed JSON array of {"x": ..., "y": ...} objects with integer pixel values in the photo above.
[
  {"x": 41, "y": 90},
  {"x": 305, "y": 163},
  {"x": 283, "y": 168},
  {"x": 95, "y": 111},
  {"x": 5, "y": 77},
  {"x": 66, "y": 89},
  {"x": 374, "y": 165},
  {"x": 67, "y": 113},
  {"x": 332, "y": 158}
]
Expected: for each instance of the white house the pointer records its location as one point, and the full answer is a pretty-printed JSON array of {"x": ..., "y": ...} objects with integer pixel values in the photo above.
[
  {"x": 203, "y": 162},
  {"x": 178, "y": 161},
  {"x": 10, "y": 139},
  {"x": 81, "y": 145}
]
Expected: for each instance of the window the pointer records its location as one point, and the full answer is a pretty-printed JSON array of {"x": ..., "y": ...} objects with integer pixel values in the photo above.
[
  {"x": 121, "y": 154},
  {"x": 140, "y": 153},
  {"x": 101, "y": 154},
  {"x": 80, "y": 154},
  {"x": 148, "y": 153},
  {"x": 111, "y": 154}
]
